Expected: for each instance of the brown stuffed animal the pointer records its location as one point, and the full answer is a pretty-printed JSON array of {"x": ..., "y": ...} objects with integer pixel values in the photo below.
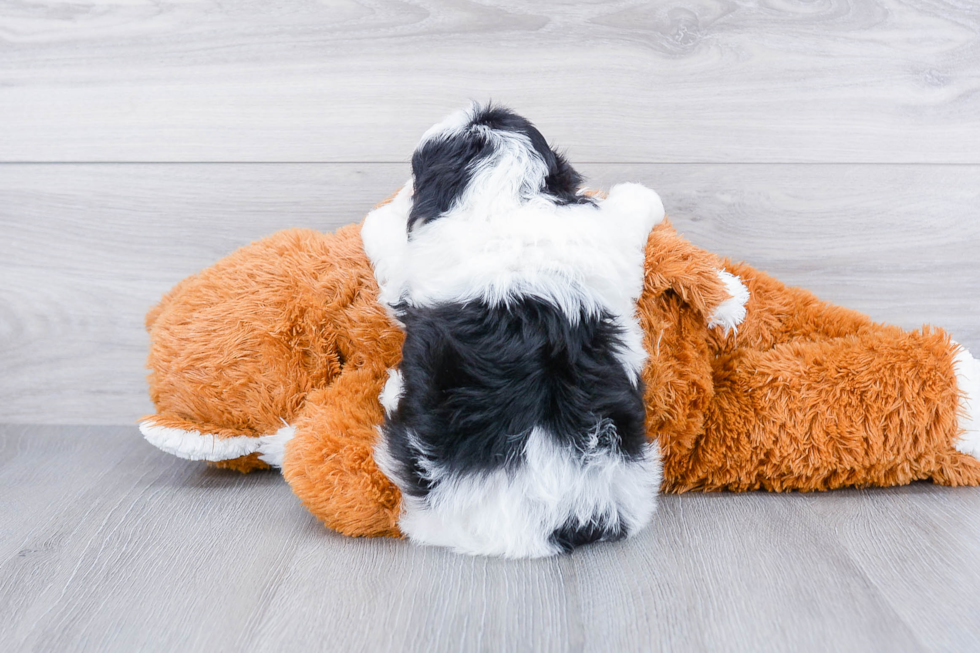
[{"x": 284, "y": 341}]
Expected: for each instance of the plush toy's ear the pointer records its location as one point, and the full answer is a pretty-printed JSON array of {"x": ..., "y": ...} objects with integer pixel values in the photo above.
[{"x": 697, "y": 276}]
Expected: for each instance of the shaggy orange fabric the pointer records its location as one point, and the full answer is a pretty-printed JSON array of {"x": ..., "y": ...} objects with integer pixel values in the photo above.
[
  {"x": 287, "y": 329},
  {"x": 805, "y": 396},
  {"x": 236, "y": 348}
]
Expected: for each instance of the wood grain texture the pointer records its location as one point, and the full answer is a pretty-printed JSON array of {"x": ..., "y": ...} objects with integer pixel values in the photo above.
[
  {"x": 85, "y": 250},
  {"x": 884, "y": 533},
  {"x": 110, "y": 545},
  {"x": 360, "y": 80}
]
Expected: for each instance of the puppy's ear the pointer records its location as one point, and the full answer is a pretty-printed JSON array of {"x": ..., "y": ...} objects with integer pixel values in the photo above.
[
  {"x": 442, "y": 167},
  {"x": 563, "y": 181}
]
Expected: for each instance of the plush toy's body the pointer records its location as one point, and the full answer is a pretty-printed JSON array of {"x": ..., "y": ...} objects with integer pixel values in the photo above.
[{"x": 806, "y": 395}]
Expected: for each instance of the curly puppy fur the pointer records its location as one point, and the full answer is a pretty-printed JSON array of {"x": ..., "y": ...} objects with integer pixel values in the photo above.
[{"x": 515, "y": 421}]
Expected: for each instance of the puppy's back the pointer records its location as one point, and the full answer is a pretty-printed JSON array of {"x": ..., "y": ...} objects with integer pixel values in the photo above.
[{"x": 516, "y": 422}]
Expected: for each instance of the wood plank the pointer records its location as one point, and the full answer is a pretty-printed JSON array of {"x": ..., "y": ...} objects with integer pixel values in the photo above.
[
  {"x": 163, "y": 554},
  {"x": 85, "y": 250},
  {"x": 359, "y": 80},
  {"x": 31, "y": 485},
  {"x": 899, "y": 243},
  {"x": 158, "y": 555},
  {"x": 674, "y": 587},
  {"x": 734, "y": 572},
  {"x": 918, "y": 546},
  {"x": 384, "y": 595}
]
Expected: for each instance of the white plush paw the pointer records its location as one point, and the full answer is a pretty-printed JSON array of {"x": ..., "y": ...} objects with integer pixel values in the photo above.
[
  {"x": 194, "y": 445},
  {"x": 968, "y": 382},
  {"x": 637, "y": 202},
  {"x": 731, "y": 312},
  {"x": 272, "y": 448},
  {"x": 392, "y": 391}
]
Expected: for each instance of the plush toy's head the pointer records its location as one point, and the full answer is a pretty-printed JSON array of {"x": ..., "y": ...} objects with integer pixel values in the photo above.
[{"x": 487, "y": 157}]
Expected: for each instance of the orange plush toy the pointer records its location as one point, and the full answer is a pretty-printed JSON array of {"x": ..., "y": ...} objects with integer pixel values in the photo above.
[
  {"x": 276, "y": 357},
  {"x": 286, "y": 335}
]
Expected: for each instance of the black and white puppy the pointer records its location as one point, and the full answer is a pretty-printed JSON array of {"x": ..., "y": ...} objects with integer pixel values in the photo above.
[{"x": 515, "y": 423}]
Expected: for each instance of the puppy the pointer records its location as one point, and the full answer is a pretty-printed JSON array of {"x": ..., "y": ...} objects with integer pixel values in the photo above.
[{"x": 515, "y": 423}]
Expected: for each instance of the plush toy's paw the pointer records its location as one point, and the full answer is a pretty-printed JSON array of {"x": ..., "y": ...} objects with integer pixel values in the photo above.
[
  {"x": 731, "y": 312},
  {"x": 968, "y": 381},
  {"x": 637, "y": 202},
  {"x": 392, "y": 391},
  {"x": 273, "y": 447},
  {"x": 241, "y": 452},
  {"x": 192, "y": 444}
]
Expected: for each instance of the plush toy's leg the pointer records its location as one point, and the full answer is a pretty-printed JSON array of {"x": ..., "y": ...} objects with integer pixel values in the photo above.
[
  {"x": 777, "y": 314},
  {"x": 696, "y": 276},
  {"x": 968, "y": 380},
  {"x": 879, "y": 408},
  {"x": 222, "y": 447},
  {"x": 330, "y": 461},
  {"x": 218, "y": 446}
]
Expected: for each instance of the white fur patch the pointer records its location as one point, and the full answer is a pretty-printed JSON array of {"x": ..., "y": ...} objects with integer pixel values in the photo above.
[
  {"x": 514, "y": 513},
  {"x": 731, "y": 312},
  {"x": 454, "y": 122},
  {"x": 194, "y": 445},
  {"x": 385, "y": 237},
  {"x": 569, "y": 255},
  {"x": 392, "y": 391},
  {"x": 576, "y": 256},
  {"x": 968, "y": 381},
  {"x": 272, "y": 448}
]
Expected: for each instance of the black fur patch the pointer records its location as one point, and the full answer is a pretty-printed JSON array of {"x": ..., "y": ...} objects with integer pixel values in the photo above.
[
  {"x": 443, "y": 166},
  {"x": 476, "y": 380},
  {"x": 562, "y": 181},
  {"x": 441, "y": 170},
  {"x": 574, "y": 535}
]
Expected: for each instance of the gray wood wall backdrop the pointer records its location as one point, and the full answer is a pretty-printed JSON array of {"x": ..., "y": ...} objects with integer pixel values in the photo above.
[{"x": 833, "y": 143}]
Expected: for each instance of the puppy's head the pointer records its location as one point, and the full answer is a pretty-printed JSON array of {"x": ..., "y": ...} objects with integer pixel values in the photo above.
[{"x": 487, "y": 158}]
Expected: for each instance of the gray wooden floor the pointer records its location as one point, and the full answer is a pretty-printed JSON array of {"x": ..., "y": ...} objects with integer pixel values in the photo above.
[
  {"x": 833, "y": 143},
  {"x": 109, "y": 545}
]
